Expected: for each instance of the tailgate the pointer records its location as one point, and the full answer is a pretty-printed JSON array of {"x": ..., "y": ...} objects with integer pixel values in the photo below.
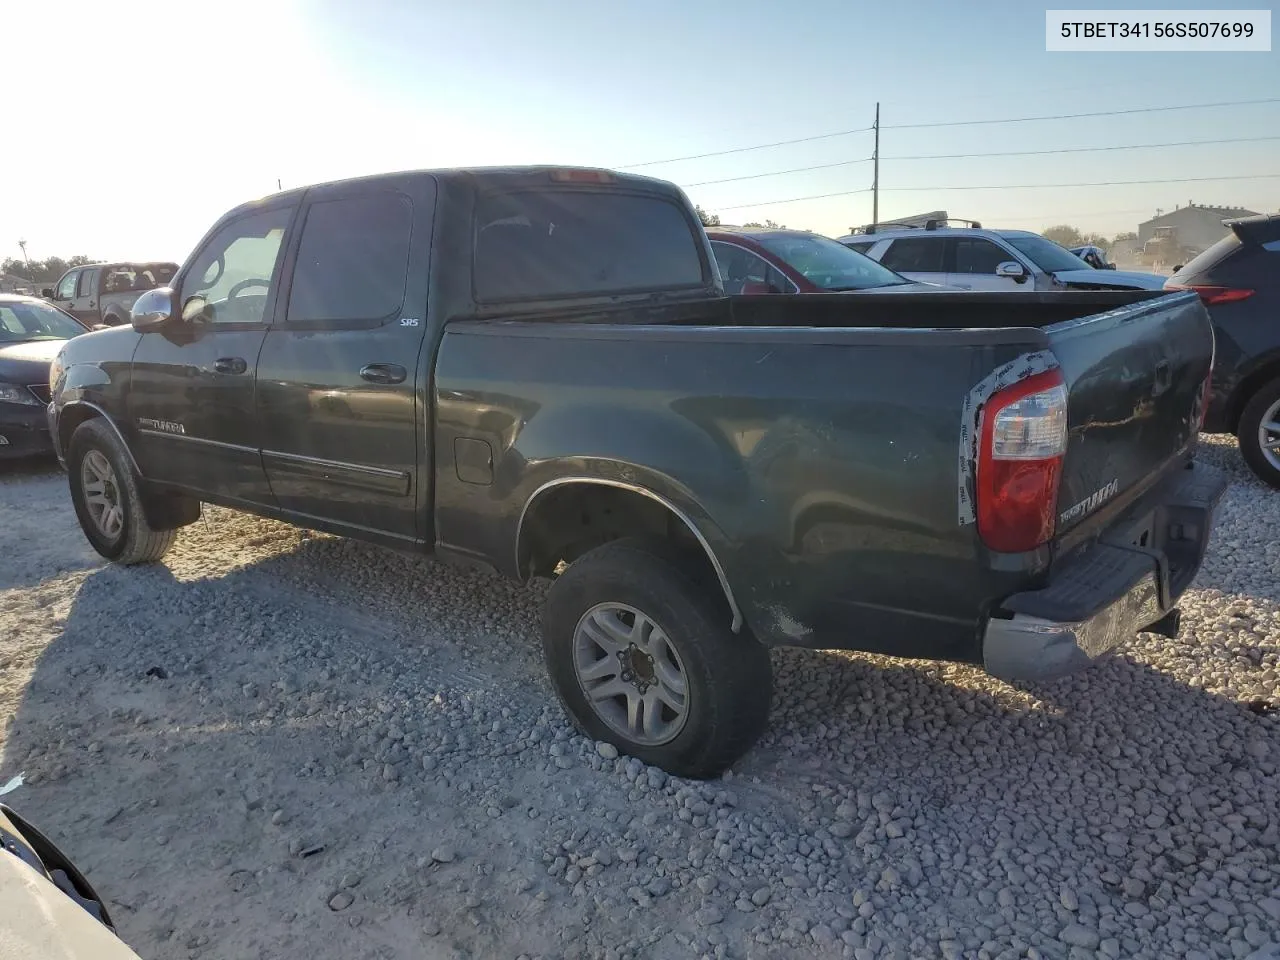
[{"x": 1134, "y": 380}]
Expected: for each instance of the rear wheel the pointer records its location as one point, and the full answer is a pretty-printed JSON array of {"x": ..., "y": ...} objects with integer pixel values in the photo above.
[
  {"x": 1259, "y": 433},
  {"x": 107, "y": 500},
  {"x": 641, "y": 655}
]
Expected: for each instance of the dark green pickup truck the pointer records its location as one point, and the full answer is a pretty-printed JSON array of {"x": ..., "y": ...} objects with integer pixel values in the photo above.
[{"x": 536, "y": 370}]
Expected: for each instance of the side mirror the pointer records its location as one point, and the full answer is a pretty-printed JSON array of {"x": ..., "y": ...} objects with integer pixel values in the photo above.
[
  {"x": 753, "y": 289},
  {"x": 47, "y": 293},
  {"x": 1108, "y": 266},
  {"x": 1010, "y": 268},
  {"x": 152, "y": 310},
  {"x": 1177, "y": 268}
]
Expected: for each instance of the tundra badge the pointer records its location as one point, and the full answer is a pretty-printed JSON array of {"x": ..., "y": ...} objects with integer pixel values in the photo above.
[
  {"x": 162, "y": 426},
  {"x": 1090, "y": 503}
]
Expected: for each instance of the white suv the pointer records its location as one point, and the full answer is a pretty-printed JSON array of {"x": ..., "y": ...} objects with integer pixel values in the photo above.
[{"x": 976, "y": 259}]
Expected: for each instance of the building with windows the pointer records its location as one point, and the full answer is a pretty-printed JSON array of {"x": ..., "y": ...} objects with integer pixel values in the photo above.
[{"x": 1198, "y": 226}]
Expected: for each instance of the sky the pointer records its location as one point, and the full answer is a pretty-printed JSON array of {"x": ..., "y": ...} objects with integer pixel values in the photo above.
[{"x": 148, "y": 120}]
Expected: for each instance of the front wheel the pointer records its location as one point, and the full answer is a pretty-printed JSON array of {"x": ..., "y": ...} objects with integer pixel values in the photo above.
[
  {"x": 108, "y": 503},
  {"x": 641, "y": 655},
  {"x": 1259, "y": 433}
]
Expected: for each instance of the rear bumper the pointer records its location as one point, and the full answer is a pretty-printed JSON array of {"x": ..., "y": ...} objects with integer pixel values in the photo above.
[{"x": 1122, "y": 584}]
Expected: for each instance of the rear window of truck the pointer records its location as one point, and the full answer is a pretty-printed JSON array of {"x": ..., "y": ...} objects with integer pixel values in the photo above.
[{"x": 546, "y": 244}]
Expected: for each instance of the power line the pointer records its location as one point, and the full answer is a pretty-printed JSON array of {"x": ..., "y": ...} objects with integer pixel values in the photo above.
[
  {"x": 962, "y": 156},
  {"x": 1095, "y": 183},
  {"x": 778, "y": 173},
  {"x": 818, "y": 196},
  {"x": 1048, "y": 217},
  {"x": 954, "y": 123},
  {"x": 1006, "y": 186},
  {"x": 1078, "y": 116},
  {"x": 758, "y": 146},
  {"x": 1035, "y": 153}
]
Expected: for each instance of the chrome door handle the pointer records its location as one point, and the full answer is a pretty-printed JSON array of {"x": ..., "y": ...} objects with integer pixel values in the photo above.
[{"x": 383, "y": 373}]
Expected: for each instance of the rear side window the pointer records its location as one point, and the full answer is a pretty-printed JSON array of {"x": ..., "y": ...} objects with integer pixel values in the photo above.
[
  {"x": 353, "y": 260},
  {"x": 88, "y": 280},
  {"x": 739, "y": 267},
  {"x": 915, "y": 255},
  {"x": 861, "y": 247},
  {"x": 544, "y": 244}
]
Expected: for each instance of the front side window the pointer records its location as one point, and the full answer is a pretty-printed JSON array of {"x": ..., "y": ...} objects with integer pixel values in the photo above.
[
  {"x": 915, "y": 255},
  {"x": 353, "y": 261},
  {"x": 235, "y": 272},
  {"x": 542, "y": 244},
  {"x": 828, "y": 264},
  {"x": 1045, "y": 254},
  {"x": 975, "y": 255},
  {"x": 67, "y": 286}
]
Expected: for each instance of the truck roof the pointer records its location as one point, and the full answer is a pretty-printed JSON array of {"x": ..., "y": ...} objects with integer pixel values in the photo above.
[{"x": 530, "y": 173}]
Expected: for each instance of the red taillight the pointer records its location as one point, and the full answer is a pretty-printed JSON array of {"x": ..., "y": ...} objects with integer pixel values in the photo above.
[
  {"x": 1024, "y": 439},
  {"x": 582, "y": 176},
  {"x": 1211, "y": 295}
]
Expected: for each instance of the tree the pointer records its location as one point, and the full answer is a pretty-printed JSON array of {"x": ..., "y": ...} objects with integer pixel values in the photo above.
[
  {"x": 1124, "y": 237},
  {"x": 46, "y": 271},
  {"x": 708, "y": 219},
  {"x": 1064, "y": 234},
  {"x": 1069, "y": 236},
  {"x": 768, "y": 225}
]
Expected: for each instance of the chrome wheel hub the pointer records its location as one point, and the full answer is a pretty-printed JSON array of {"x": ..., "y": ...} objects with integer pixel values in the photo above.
[
  {"x": 102, "y": 495},
  {"x": 631, "y": 674}
]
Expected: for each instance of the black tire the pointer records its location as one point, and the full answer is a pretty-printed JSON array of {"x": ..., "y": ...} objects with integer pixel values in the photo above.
[
  {"x": 1263, "y": 402},
  {"x": 135, "y": 541},
  {"x": 728, "y": 677}
]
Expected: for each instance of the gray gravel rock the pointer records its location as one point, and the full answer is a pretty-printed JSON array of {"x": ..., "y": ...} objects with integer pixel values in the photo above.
[{"x": 892, "y": 808}]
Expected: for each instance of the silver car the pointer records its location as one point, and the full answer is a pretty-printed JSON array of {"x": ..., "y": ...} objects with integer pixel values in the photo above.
[{"x": 973, "y": 258}]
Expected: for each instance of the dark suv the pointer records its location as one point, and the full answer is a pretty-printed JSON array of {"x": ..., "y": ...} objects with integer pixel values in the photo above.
[{"x": 1238, "y": 278}]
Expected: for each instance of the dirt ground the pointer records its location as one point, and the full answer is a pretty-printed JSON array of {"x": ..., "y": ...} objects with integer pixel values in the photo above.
[{"x": 281, "y": 744}]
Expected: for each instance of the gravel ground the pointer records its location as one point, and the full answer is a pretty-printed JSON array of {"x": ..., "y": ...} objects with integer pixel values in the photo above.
[{"x": 281, "y": 744}]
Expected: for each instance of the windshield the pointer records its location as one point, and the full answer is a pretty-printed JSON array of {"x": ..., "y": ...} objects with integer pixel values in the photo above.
[
  {"x": 21, "y": 321},
  {"x": 828, "y": 264},
  {"x": 1045, "y": 254}
]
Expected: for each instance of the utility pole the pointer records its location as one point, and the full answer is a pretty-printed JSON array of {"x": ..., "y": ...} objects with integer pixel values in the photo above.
[
  {"x": 278, "y": 187},
  {"x": 875, "y": 176}
]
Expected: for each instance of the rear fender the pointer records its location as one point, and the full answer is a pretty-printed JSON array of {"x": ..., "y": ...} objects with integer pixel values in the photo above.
[{"x": 642, "y": 481}]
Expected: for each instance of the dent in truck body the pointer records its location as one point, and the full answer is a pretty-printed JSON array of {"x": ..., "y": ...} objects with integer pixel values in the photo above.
[{"x": 825, "y": 492}]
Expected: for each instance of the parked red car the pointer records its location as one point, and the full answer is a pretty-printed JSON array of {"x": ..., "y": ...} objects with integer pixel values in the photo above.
[{"x": 760, "y": 260}]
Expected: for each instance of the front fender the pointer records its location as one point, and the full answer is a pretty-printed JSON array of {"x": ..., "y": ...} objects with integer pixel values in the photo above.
[{"x": 93, "y": 381}]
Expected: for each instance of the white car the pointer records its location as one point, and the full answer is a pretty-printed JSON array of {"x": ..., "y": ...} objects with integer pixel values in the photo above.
[{"x": 973, "y": 258}]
